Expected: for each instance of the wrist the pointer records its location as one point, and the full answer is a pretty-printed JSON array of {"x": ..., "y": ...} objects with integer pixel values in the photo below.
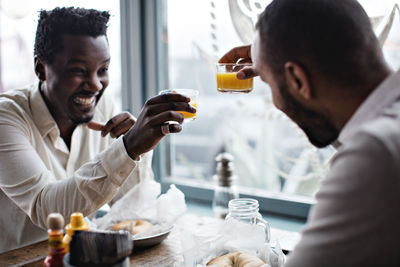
[{"x": 131, "y": 154}]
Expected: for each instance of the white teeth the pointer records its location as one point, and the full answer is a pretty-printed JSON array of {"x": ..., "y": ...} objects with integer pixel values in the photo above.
[{"x": 84, "y": 100}]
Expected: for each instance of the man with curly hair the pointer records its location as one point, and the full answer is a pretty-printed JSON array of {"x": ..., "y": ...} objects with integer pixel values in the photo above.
[{"x": 52, "y": 156}]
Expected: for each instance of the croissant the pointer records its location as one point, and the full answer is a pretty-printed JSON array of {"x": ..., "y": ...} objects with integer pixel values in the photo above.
[
  {"x": 133, "y": 226},
  {"x": 236, "y": 259}
]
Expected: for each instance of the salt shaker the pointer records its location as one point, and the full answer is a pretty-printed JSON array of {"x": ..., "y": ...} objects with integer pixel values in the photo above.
[{"x": 225, "y": 190}]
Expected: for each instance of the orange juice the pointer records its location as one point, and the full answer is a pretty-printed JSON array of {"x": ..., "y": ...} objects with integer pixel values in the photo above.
[
  {"x": 227, "y": 82},
  {"x": 188, "y": 115}
]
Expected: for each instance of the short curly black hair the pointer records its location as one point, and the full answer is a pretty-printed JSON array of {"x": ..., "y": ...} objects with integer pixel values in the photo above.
[
  {"x": 332, "y": 38},
  {"x": 55, "y": 23}
]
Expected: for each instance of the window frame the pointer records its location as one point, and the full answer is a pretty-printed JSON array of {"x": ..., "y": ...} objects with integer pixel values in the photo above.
[{"x": 144, "y": 70}]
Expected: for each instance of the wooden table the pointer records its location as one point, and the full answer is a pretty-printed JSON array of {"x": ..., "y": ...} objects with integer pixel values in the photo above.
[{"x": 164, "y": 254}]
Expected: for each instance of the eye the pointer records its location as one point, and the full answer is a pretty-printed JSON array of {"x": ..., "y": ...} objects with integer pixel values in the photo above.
[
  {"x": 103, "y": 70},
  {"x": 77, "y": 70}
]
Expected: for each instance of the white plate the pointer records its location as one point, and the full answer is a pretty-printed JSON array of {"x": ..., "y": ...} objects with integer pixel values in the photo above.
[{"x": 147, "y": 241}]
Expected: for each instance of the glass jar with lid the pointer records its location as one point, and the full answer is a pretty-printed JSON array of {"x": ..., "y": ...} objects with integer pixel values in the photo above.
[{"x": 246, "y": 210}]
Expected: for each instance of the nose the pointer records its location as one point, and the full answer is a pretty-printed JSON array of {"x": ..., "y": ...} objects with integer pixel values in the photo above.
[{"x": 93, "y": 83}]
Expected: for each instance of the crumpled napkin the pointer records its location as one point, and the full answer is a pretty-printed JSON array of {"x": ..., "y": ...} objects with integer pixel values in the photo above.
[{"x": 144, "y": 201}]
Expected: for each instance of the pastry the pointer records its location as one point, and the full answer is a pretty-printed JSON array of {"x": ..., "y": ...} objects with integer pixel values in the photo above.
[
  {"x": 236, "y": 259},
  {"x": 133, "y": 226}
]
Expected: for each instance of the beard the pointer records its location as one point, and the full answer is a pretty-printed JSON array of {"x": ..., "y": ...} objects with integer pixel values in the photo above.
[
  {"x": 319, "y": 130},
  {"x": 78, "y": 121},
  {"x": 80, "y": 118}
]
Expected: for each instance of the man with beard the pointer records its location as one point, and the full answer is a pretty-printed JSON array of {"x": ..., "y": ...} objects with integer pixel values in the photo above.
[
  {"x": 326, "y": 71},
  {"x": 52, "y": 157}
]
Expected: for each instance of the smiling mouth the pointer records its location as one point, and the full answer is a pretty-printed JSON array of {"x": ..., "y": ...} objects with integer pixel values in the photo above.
[{"x": 84, "y": 100}]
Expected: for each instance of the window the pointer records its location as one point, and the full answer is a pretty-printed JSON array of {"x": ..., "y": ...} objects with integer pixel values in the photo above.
[
  {"x": 385, "y": 19},
  {"x": 176, "y": 43},
  {"x": 272, "y": 156},
  {"x": 18, "y": 22}
]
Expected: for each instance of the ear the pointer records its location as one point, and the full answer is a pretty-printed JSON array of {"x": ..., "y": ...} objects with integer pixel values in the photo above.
[
  {"x": 40, "y": 69},
  {"x": 297, "y": 80}
]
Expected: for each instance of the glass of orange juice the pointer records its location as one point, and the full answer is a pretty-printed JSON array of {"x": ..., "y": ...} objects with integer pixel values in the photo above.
[
  {"x": 227, "y": 81},
  {"x": 192, "y": 94}
]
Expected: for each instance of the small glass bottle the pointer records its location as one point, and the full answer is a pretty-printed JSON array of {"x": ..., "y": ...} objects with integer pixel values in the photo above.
[
  {"x": 246, "y": 210},
  {"x": 55, "y": 224},
  {"x": 225, "y": 190}
]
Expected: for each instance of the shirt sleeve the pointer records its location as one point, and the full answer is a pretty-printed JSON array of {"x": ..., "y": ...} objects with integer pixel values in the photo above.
[
  {"x": 25, "y": 179},
  {"x": 354, "y": 222},
  {"x": 142, "y": 171}
]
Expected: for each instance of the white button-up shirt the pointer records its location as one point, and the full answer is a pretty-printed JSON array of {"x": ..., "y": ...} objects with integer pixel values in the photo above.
[
  {"x": 40, "y": 175},
  {"x": 356, "y": 219}
]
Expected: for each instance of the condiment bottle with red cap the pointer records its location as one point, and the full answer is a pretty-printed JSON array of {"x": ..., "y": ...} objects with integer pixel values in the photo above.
[{"x": 55, "y": 224}]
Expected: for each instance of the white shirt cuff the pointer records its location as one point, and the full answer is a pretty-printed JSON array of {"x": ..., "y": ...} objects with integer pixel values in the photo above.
[{"x": 117, "y": 163}]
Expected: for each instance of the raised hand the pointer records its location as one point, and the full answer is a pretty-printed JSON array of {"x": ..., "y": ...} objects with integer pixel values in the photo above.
[
  {"x": 116, "y": 126},
  {"x": 240, "y": 54},
  {"x": 152, "y": 124}
]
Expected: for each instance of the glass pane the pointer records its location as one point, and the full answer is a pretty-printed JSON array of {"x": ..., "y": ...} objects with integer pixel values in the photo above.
[
  {"x": 385, "y": 18},
  {"x": 271, "y": 153},
  {"x": 18, "y": 22}
]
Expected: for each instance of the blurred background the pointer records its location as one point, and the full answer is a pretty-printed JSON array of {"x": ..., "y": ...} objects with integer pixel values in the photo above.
[{"x": 272, "y": 156}]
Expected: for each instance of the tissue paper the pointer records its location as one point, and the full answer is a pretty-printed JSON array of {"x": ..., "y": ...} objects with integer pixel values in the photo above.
[{"x": 144, "y": 201}]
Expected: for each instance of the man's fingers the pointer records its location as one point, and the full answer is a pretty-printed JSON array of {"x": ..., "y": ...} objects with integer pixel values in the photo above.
[
  {"x": 175, "y": 128},
  {"x": 246, "y": 73},
  {"x": 95, "y": 125},
  {"x": 115, "y": 121},
  {"x": 164, "y": 98},
  {"x": 120, "y": 129},
  {"x": 167, "y": 116},
  {"x": 177, "y": 106},
  {"x": 236, "y": 53},
  {"x": 170, "y": 128}
]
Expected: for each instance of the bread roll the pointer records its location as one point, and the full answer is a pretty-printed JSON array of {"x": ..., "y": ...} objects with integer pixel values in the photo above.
[
  {"x": 249, "y": 260},
  {"x": 226, "y": 260},
  {"x": 236, "y": 259},
  {"x": 133, "y": 226}
]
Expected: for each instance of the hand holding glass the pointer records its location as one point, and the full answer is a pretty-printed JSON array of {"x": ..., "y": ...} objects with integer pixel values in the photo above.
[
  {"x": 192, "y": 94},
  {"x": 227, "y": 81}
]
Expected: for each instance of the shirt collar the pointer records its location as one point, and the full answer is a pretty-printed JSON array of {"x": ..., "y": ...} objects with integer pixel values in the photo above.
[
  {"x": 40, "y": 113},
  {"x": 375, "y": 104}
]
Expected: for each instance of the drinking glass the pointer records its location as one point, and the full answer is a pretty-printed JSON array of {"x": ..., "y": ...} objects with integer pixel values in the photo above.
[
  {"x": 192, "y": 94},
  {"x": 227, "y": 81}
]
